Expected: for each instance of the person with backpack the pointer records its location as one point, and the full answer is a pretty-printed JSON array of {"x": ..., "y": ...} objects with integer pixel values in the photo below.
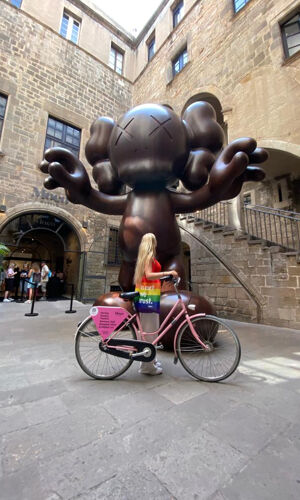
[{"x": 45, "y": 275}]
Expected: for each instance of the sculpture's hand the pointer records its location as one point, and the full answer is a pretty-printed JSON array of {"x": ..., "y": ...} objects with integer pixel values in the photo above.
[
  {"x": 68, "y": 172},
  {"x": 226, "y": 176},
  {"x": 232, "y": 168}
]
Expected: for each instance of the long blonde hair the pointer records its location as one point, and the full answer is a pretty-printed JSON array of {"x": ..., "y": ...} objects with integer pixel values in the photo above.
[
  {"x": 147, "y": 252},
  {"x": 36, "y": 268}
]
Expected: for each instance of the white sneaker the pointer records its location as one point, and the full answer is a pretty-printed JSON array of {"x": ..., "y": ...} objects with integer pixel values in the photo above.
[
  {"x": 6, "y": 300},
  {"x": 11, "y": 300},
  {"x": 28, "y": 301},
  {"x": 150, "y": 369}
]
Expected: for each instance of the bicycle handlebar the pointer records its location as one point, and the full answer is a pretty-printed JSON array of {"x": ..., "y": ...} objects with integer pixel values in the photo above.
[{"x": 170, "y": 277}]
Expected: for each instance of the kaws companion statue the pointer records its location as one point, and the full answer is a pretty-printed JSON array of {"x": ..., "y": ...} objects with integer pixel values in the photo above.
[{"x": 149, "y": 149}]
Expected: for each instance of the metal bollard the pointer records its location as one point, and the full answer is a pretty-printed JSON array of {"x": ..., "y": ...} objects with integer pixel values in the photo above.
[
  {"x": 33, "y": 301},
  {"x": 71, "y": 302}
]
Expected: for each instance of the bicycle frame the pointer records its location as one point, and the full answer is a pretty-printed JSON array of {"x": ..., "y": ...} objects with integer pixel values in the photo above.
[{"x": 160, "y": 333}]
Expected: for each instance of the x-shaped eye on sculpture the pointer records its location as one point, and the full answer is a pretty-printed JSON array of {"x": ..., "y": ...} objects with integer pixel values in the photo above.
[
  {"x": 123, "y": 129},
  {"x": 161, "y": 124}
]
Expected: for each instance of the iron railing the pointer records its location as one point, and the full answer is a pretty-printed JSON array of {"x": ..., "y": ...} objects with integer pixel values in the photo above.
[
  {"x": 217, "y": 215},
  {"x": 274, "y": 226}
]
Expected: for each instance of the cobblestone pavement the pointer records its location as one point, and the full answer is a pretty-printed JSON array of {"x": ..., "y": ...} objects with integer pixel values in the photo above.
[{"x": 65, "y": 436}]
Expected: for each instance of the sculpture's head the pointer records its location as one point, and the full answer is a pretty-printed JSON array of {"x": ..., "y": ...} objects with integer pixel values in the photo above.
[{"x": 151, "y": 145}]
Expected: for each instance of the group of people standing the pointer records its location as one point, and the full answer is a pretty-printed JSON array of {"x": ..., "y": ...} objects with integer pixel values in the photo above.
[{"x": 33, "y": 276}]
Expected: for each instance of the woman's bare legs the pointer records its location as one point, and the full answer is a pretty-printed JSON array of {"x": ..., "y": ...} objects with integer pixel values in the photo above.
[{"x": 150, "y": 323}]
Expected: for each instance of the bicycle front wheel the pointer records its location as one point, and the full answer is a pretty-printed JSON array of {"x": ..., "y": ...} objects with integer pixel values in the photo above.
[
  {"x": 94, "y": 362},
  {"x": 222, "y": 355}
]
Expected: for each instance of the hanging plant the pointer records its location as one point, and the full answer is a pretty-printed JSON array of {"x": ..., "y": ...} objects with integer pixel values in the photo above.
[{"x": 3, "y": 250}]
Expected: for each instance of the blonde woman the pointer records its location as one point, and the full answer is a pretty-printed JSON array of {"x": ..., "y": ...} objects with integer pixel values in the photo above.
[
  {"x": 34, "y": 276},
  {"x": 147, "y": 278}
]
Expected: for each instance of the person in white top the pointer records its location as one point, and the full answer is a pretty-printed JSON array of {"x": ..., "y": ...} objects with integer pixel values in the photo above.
[
  {"x": 9, "y": 282},
  {"x": 44, "y": 279}
]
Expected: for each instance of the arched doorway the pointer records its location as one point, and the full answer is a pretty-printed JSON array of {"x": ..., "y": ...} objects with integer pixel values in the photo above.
[
  {"x": 186, "y": 257},
  {"x": 41, "y": 236}
]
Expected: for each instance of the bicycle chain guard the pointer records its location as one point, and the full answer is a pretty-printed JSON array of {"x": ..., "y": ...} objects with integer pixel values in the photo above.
[{"x": 138, "y": 344}]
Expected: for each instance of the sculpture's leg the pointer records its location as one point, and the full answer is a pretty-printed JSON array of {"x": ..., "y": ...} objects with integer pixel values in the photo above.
[
  {"x": 126, "y": 276},
  {"x": 175, "y": 264}
]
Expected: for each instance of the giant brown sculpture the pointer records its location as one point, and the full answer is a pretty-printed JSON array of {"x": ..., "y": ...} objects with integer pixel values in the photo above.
[{"x": 149, "y": 149}]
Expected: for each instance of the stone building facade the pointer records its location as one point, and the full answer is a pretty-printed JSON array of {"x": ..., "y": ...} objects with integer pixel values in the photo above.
[
  {"x": 44, "y": 75},
  {"x": 67, "y": 61}
]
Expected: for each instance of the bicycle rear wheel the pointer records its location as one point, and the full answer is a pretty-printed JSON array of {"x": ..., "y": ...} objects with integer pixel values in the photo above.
[
  {"x": 94, "y": 362},
  {"x": 221, "y": 358}
]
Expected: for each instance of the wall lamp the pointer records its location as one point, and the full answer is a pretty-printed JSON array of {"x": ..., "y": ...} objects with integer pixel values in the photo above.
[
  {"x": 2, "y": 208},
  {"x": 85, "y": 224}
]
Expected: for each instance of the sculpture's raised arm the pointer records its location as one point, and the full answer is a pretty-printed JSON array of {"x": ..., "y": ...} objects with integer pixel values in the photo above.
[
  {"x": 66, "y": 171},
  {"x": 225, "y": 177},
  {"x": 211, "y": 174}
]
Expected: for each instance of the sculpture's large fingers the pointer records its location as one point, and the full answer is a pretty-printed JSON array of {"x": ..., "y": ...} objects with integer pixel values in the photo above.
[
  {"x": 43, "y": 166},
  {"x": 245, "y": 144},
  {"x": 259, "y": 155},
  {"x": 62, "y": 156},
  {"x": 234, "y": 189},
  {"x": 61, "y": 175},
  {"x": 253, "y": 174},
  {"x": 50, "y": 183},
  {"x": 223, "y": 175}
]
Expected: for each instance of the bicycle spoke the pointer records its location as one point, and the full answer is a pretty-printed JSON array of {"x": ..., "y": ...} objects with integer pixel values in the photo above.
[
  {"x": 95, "y": 362},
  {"x": 220, "y": 357}
]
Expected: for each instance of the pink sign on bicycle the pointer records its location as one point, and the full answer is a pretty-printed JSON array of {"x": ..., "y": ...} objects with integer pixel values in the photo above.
[{"x": 107, "y": 319}]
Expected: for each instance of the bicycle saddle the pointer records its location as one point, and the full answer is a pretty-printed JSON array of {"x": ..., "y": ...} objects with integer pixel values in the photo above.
[{"x": 129, "y": 295}]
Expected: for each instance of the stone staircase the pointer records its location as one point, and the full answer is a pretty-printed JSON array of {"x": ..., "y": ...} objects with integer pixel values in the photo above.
[{"x": 247, "y": 278}]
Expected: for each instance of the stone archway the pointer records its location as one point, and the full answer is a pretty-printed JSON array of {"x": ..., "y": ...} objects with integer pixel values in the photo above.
[
  {"x": 30, "y": 207},
  {"x": 186, "y": 258},
  {"x": 42, "y": 234}
]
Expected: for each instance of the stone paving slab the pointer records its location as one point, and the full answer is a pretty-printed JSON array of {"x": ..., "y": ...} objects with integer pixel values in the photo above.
[{"x": 66, "y": 436}]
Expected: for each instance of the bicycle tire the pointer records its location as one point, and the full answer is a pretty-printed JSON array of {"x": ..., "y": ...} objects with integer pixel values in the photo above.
[
  {"x": 211, "y": 365},
  {"x": 94, "y": 362}
]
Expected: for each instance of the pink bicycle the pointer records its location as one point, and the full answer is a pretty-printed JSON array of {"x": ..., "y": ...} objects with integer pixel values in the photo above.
[{"x": 206, "y": 346}]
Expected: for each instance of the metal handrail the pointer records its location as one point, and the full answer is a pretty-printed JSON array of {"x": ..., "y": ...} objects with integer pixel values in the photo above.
[
  {"x": 274, "y": 211},
  {"x": 217, "y": 215},
  {"x": 273, "y": 226}
]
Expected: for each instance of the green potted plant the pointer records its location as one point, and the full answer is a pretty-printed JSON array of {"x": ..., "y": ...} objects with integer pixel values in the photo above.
[{"x": 3, "y": 252}]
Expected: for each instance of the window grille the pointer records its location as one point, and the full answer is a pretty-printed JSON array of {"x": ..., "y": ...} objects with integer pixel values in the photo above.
[
  {"x": 113, "y": 254},
  {"x": 116, "y": 60},
  {"x": 3, "y": 103},
  {"x": 291, "y": 35},
  {"x": 239, "y": 4},
  {"x": 151, "y": 49},
  {"x": 63, "y": 135},
  {"x": 179, "y": 62},
  {"x": 177, "y": 14},
  {"x": 16, "y": 3},
  {"x": 70, "y": 27}
]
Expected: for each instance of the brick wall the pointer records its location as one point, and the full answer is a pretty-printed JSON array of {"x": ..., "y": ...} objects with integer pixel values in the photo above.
[
  {"x": 44, "y": 74},
  {"x": 239, "y": 59},
  {"x": 244, "y": 281}
]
